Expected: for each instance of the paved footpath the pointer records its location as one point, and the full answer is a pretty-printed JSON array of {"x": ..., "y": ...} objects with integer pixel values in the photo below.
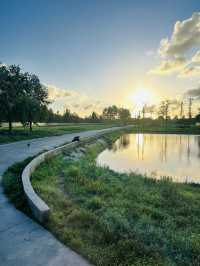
[{"x": 23, "y": 242}]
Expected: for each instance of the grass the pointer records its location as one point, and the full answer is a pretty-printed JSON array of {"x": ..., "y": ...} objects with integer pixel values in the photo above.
[
  {"x": 13, "y": 188},
  {"x": 119, "y": 219},
  {"x": 169, "y": 127},
  {"x": 19, "y": 133}
]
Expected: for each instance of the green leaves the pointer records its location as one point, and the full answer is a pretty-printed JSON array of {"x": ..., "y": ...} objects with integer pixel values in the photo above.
[{"x": 22, "y": 96}]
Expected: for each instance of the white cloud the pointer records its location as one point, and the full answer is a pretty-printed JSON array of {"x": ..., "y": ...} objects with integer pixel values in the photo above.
[
  {"x": 190, "y": 71},
  {"x": 174, "y": 51},
  {"x": 169, "y": 66},
  {"x": 56, "y": 93},
  {"x": 196, "y": 57},
  {"x": 186, "y": 35},
  {"x": 76, "y": 102}
]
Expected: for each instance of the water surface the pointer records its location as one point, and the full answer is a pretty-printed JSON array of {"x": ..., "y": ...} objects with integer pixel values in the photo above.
[{"x": 156, "y": 155}]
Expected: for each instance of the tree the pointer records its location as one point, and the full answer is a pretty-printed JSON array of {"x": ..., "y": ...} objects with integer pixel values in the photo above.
[
  {"x": 22, "y": 97},
  {"x": 67, "y": 117},
  {"x": 181, "y": 109},
  {"x": 190, "y": 108},
  {"x": 144, "y": 110},
  {"x": 110, "y": 113},
  {"x": 150, "y": 109},
  {"x": 197, "y": 118},
  {"x": 50, "y": 116},
  {"x": 75, "y": 117},
  {"x": 44, "y": 114},
  {"x": 164, "y": 109},
  {"x": 94, "y": 117},
  {"x": 11, "y": 92},
  {"x": 124, "y": 114},
  {"x": 33, "y": 101}
]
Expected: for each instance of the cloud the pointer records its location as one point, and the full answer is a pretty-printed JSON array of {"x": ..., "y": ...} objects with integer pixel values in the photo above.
[
  {"x": 196, "y": 57},
  {"x": 55, "y": 92},
  {"x": 169, "y": 66},
  {"x": 76, "y": 105},
  {"x": 88, "y": 106},
  {"x": 186, "y": 35},
  {"x": 61, "y": 99},
  {"x": 174, "y": 51},
  {"x": 190, "y": 71},
  {"x": 194, "y": 93}
]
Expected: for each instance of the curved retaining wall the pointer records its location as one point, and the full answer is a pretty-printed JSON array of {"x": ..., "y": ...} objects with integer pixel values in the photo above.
[{"x": 39, "y": 208}]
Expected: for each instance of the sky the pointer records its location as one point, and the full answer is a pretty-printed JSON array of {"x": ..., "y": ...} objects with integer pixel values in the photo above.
[{"x": 91, "y": 53}]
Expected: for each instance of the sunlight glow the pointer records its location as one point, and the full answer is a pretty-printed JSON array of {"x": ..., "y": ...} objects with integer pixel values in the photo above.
[{"x": 141, "y": 97}]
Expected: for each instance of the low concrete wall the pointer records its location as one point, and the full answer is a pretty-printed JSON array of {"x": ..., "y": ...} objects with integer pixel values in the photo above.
[{"x": 39, "y": 208}]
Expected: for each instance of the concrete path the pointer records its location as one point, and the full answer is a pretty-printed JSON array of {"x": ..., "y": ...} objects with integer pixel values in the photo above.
[{"x": 23, "y": 242}]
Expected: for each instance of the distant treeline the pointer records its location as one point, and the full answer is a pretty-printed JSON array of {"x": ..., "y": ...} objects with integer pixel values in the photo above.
[
  {"x": 24, "y": 99},
  {"x": 111, "y": 113}
]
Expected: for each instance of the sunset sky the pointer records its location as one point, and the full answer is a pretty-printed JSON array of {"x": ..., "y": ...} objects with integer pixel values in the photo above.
[{"x": 94, "y": 53}]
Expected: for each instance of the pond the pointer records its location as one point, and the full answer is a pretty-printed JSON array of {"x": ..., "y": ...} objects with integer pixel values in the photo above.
[{"x": 155, "y": 155}]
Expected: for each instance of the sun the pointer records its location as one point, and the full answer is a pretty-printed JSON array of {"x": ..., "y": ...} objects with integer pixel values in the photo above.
[{"x": 141, "y": 97}]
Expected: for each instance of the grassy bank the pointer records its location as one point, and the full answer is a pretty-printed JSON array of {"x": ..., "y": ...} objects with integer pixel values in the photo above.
[
  {"x": 119, "y": 219},
  {"x": 19, "y": 133},
  {"x": 169, "y": 127},
  {"x": 13, "y": 188}
]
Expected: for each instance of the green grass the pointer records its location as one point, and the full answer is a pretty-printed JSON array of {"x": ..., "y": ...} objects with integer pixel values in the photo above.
[
  {"x": 13, "y": 188},
  {"x": 19, "y": 133},
  {"x": 169, "y": 127},
  {"x": 118, "y": 219}
]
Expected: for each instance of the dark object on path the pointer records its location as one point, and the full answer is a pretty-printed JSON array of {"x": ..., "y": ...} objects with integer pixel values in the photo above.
[
  {"x": 28, "y": 144},
  {"x": 77, "y": 138}
]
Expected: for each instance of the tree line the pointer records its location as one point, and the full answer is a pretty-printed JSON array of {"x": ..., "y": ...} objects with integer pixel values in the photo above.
[
  {"x": 24, "y": 99},
  {"x": 166, "y": 108},
  {"x": 111, "y": 113}
]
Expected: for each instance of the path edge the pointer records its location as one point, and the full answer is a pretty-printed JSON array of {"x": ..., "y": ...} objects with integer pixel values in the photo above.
[{"x": 39, "y": 208}]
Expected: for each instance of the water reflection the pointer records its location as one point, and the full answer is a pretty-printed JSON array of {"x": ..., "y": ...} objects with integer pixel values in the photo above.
[
  {"x": 122, "y": 143},
  {"x": 177, "y": 156}
]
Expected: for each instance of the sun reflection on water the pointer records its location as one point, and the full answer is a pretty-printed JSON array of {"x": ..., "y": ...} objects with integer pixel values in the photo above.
[{"x": 157, "y": 155}]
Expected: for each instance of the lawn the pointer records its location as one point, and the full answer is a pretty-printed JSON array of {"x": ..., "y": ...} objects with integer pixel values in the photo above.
[
  {"x": 118, "y": 219},
  {"x": 166, "y": 127},
  {"x": 19, "y": 133}
]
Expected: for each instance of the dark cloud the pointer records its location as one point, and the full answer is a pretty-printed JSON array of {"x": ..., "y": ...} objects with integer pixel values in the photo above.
[{"x": 195, "y": 93}]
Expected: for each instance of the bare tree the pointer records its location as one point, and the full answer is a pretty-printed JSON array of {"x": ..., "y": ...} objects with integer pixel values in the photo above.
[
  {"x": 144, "y": 108},
  {"x": 190, "y": 107},
  {"x": 164, "y": 109},
  {"x": 181, "y": 109}
]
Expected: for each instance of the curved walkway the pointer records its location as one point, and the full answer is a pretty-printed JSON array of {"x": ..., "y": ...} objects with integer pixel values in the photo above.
[{"x": 23, "y": 242}]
